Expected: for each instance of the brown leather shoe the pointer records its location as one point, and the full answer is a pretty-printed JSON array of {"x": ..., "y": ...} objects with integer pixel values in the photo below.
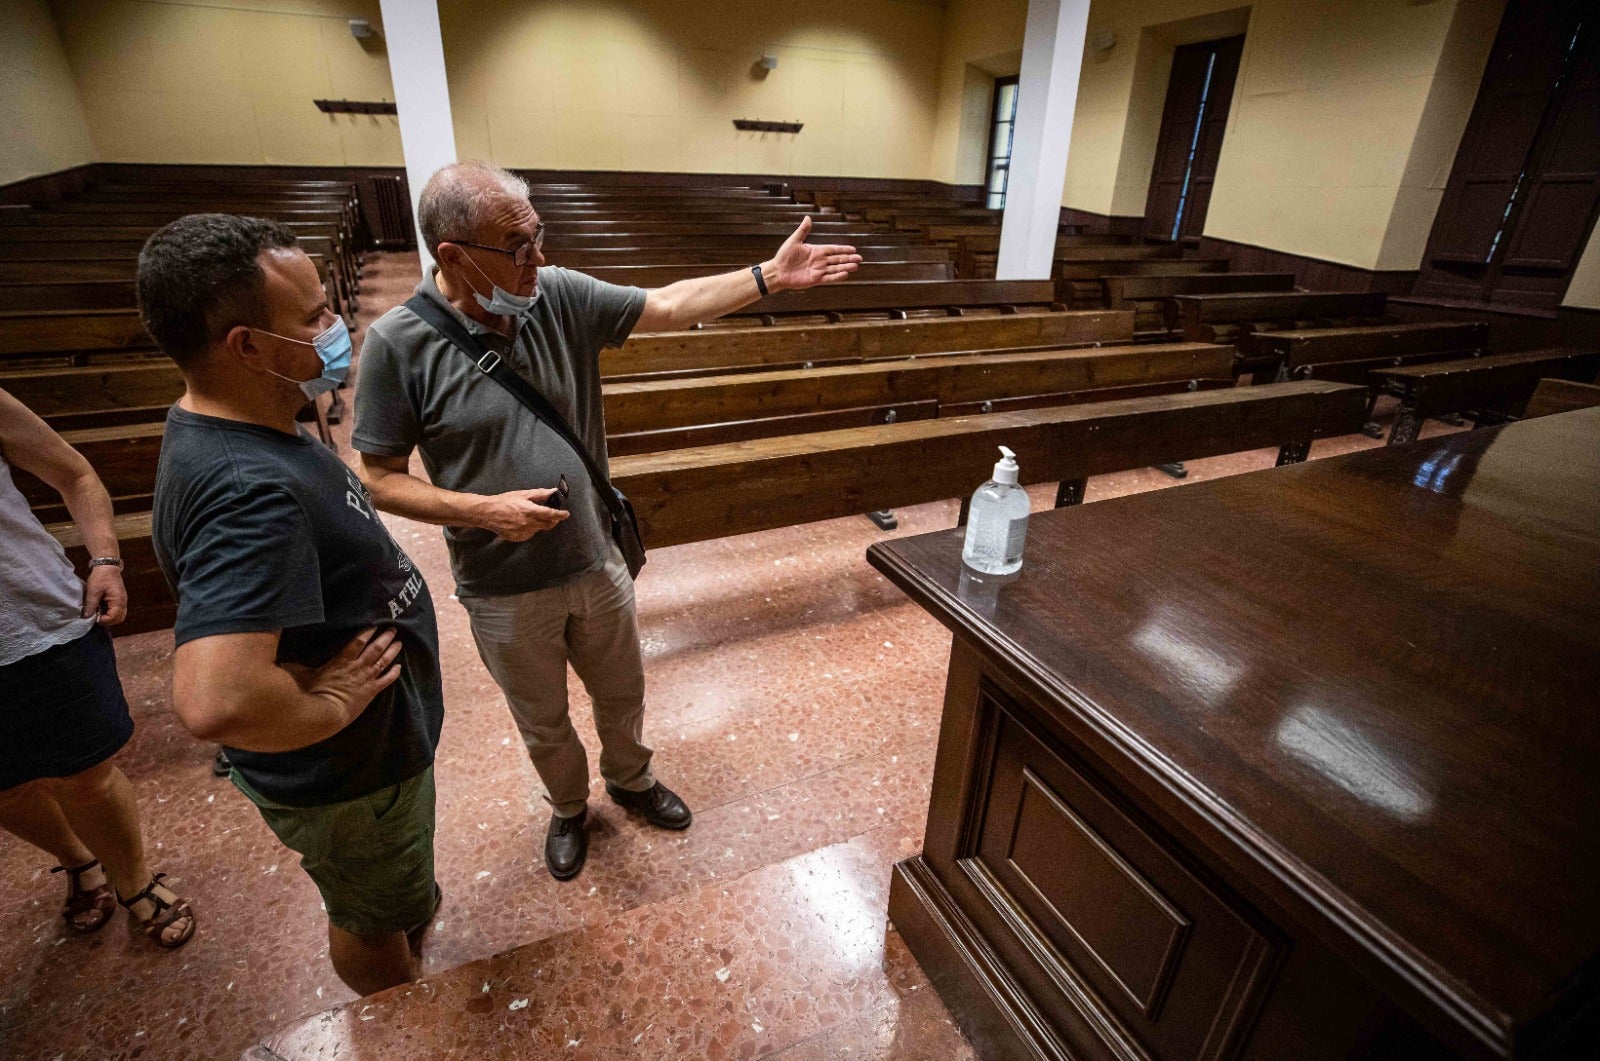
[
  {"x": 658, "y": 804},
  {"x": 566, "y": 845}
]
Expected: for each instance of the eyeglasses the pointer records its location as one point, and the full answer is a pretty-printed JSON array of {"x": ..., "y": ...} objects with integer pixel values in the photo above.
[{"x": 521, "y": 256}]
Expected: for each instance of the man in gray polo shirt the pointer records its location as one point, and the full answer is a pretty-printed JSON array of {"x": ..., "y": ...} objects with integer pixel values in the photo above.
[{"x": 541, "y": 580}]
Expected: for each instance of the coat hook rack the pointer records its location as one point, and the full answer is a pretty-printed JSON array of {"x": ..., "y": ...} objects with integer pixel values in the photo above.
[
  {"x": 349, "y": 106},
  {"x": 751, "y": 125}
]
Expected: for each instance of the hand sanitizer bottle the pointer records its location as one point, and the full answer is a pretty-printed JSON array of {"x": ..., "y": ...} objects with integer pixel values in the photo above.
[{"x": 997, "y": 521}]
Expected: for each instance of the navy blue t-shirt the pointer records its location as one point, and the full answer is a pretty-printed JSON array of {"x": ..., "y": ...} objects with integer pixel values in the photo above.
[{"x": 259, "y": 531}]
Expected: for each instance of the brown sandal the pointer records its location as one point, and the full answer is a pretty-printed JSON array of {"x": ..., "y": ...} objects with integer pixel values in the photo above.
[
  {"x": 168, "y": 912},
  {"x": 86, "y": 909}
]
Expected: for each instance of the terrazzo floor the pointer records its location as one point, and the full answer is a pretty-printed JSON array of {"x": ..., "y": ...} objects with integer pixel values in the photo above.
[{"x": 793, "y": 701}]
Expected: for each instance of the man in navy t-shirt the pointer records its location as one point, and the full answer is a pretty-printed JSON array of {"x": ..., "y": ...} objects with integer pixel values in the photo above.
[{"x": 306, "y": 640}]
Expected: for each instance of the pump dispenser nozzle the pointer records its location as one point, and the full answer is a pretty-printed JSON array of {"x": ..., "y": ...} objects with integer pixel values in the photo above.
[{"x": 1005, "y": 469}]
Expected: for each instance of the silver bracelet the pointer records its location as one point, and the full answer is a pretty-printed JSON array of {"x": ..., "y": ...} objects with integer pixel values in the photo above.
[{"x": 107, "y": 561}]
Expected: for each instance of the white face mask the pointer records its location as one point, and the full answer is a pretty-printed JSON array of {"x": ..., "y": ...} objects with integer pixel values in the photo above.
[{"x": 503, "y": 303}]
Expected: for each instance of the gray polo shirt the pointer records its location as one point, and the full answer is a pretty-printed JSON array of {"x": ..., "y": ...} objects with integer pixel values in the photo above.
[{"x": 417, "y": 390}]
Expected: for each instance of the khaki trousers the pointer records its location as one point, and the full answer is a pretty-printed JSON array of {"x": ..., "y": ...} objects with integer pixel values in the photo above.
[{"x": 526, "y": 641}]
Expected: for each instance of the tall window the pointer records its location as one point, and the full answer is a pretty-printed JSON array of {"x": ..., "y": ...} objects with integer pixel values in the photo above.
[
  {"x": 1002, "y": 123},
  {"x": 1199, "y": 92},
  {"x": 1525, "y": 186}
]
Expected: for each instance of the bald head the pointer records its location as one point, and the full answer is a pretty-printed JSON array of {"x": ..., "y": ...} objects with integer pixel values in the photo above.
[{"x": 464, "y": 198}]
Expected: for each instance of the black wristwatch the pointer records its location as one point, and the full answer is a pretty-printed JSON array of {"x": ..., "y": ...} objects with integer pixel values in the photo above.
[{"x": 761, "y": 281}]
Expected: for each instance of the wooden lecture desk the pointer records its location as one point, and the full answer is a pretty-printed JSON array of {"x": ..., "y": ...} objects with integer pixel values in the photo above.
[{"x": 1296, "y": 764}]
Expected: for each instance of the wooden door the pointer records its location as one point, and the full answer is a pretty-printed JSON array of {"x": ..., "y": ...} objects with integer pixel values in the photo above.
[
  {"x": 1522, "y": 194},
  {"x": 1199, "y": 93}
]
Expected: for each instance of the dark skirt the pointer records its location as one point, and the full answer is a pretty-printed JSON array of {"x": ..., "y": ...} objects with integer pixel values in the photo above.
[{"x": 61, "y": 710}]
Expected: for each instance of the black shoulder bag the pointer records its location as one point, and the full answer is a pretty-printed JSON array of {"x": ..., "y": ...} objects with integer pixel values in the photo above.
[{"x": 624, "y": 524}]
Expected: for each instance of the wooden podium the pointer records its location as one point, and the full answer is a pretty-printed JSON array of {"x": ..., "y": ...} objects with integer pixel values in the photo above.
[{"x": 1298, "y": 764}]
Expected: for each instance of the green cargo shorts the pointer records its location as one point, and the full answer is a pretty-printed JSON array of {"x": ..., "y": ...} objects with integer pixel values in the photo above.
[{"x": 371, "y": 857}]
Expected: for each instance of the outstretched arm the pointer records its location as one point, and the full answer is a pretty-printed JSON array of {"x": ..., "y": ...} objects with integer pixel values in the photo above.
[{"x": 796, "y": 266}]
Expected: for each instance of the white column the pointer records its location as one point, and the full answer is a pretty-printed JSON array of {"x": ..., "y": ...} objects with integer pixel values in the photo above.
[
  {"x": 1052, "y": 59},
  {"x": 421, "y": 93}
]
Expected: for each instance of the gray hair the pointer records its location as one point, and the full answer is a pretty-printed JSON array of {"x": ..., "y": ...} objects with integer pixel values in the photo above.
[{"x": 456, "y": 198}]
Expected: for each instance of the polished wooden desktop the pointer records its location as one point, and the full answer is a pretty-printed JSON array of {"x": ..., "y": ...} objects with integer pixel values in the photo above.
[{"x": 1296, "y": 764}]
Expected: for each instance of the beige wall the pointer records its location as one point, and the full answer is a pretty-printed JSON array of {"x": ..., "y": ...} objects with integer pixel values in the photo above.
[
  {"x": 1128, "y": 98},
  {"x": 1584, "y": 291},
  {"x": 656, "y": 84},
  {"x": 602, "y": 84},
  {"x": 222, "y": 81},
  {"x": 1344, "y": 124},
  {"x": 981, "y": 40},
  {"x": 1345, "y": 118},
  {"x": 41, "y": 122}
]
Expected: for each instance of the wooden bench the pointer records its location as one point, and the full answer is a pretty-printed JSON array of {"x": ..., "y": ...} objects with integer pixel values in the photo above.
[
  {"x": 1351, "y": 353},
  {"x": 237, "y": 200},
  {"x": 836, "y": 196},
  {"x": 1223, "y": 317},
  {"x": 976, "y": 246},
  {"x": 1080, "y": 283},
  {"x": 345, "y": 213},
  {"x": 714, "y": 491},
  {"x": 924, "y": 220},
  {"x": 65, "y": 336},
  {"x": 537, "y": 189},
  {"x": 1148, "y": 296},
  {"x": 661, "y": 275},
  {"x": 650, "y": 415},
  {"x": 156, "y": 218},
  {"x": 13, "y": 235},
  {"x": 123, "y": 268},
  {"x": 74, "y": 250},
  {"x": 588, "y": 257},
  {"x": 979, "y": 252},
  {"x": 66, "y": 295},
  {"x": 689, "y": 209},
  {"x": 756, "y": 247},
  {"x": 99, "y": 395},
  {"x": 49, "y": 241},
  {"x": 1493, "y": 388},
  {"x": 99, "y": 262},
  {"x": 125, "y": 455},
  {"x": 120, "y": 293},
  {"x": 1561, "y": 396},
  {"x": 899, "y": 299},
  {"x": 1133, "y": 252},
  {"x": 709, "y": 351},
  {"x": 142, "y": 183},
  {"x": 824, "y": 231},
  {"x": 106, "y": 283}
]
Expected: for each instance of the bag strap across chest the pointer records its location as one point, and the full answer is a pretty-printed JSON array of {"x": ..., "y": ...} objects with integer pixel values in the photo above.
[{"x": 494, "y": 366}]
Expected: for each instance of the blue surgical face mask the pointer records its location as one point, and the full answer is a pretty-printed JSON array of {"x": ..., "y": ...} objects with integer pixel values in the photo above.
[
  {"x": 333, "y": 346},
  {"x": 504, "y": 303}
]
